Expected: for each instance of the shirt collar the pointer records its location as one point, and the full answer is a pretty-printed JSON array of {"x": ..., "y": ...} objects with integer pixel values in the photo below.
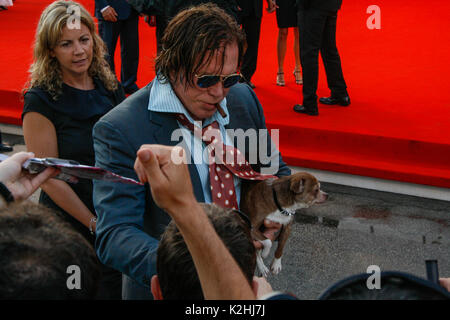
[{"x": 163, "y": 99}]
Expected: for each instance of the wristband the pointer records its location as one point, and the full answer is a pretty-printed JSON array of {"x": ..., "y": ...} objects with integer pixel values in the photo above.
[{"x": 4, "y": 191}]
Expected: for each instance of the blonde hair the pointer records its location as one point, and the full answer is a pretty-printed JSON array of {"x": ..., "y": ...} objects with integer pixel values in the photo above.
[{"x": 45, "y": 70}]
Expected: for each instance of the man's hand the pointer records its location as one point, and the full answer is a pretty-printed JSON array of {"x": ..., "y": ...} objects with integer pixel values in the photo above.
[
  {"x": 270, "y": 232},
  {"x": 110, "y": 14},
  {"x": 271, "y": 6},
  {"x": 21, "y": 184},
  {"x": 165, "y": 169}
]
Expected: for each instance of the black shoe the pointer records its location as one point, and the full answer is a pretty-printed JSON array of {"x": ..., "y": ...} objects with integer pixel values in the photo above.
[
  {"x": 345, "y": 101},
  {"x": 5, "y": 148},
  {"x": 310, "y": 111}
]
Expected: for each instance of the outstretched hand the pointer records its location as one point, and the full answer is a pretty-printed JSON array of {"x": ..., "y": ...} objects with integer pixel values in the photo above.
[{"x": 22, "y": 184}]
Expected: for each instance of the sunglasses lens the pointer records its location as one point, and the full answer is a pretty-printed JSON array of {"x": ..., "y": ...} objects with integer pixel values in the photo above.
[
  {"x": 207, "y": 81},
  {"x": 231, "y": 81}
]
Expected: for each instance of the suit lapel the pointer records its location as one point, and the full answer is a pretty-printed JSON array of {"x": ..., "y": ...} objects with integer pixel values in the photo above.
[
  {"x": 240, "y": 119},
  {"x": 164, "y": 125}
]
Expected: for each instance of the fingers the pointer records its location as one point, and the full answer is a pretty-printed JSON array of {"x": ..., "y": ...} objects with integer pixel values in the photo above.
[
  {"x": 270, "y": 233},
  {"x": 258, "y": 245},
  {"x": 11, "y": 168},
  {"x": 271, "y": 228},
  {"x": 143, "y": 157},
  {"x": 169, "y": 180},
  {"x": 20, "y": 157},
  {"x": 138, "y": 165},
  {"x": 110, "y": 14},
  {"x": 150, "y": 170},
  {"x": 42, "y": 177},
  {"x": 147, "y": 165},
  {"x": 272, "y": 224},
  {"x": 111, "y": 18},
  {"x": 114, "y": 12}
]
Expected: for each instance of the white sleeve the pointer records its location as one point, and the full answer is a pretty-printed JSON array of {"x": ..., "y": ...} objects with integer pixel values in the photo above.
[{"x": 105, "y": 8}]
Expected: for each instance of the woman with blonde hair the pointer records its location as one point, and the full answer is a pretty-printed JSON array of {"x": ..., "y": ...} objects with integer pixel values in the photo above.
[{"x": 71, "y": 86}]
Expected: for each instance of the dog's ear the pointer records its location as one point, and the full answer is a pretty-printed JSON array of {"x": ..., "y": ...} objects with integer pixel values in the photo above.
[{"x": 298, "y": 185}]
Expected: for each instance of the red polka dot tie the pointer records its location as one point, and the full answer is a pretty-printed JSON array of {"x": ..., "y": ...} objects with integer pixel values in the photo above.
[{"x": 224, "y": 163}]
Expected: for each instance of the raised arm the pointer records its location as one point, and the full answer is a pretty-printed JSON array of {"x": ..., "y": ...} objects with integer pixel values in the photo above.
[{"x": 219, "y": 274}]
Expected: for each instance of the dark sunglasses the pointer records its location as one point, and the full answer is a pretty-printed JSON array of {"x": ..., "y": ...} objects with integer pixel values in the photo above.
[{"x": 207, "y": 81}]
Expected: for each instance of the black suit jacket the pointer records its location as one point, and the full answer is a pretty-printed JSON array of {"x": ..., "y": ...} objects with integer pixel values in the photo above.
[
  {"x": 250, "y": 8},
  {"x": 122, "y": 8},
  {"x": 327, "y": 5},
  {"x": 129, "y": 221},
  {"x": 169, "y": 9}
]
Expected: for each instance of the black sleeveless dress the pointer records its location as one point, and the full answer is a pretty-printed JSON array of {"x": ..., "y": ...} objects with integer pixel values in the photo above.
[{"x": 73, "y": 115}]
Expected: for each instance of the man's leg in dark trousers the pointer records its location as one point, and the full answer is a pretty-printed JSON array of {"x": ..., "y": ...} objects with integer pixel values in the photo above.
[
  {"x": 161, "y": 25},
  {"x": 129, "y": 49},
  {"x": 109, "y": 32},
  {"x": 331, "y": 59},
  {"x": 252, "y": 28},
  {"x": 311, "y": 25}
]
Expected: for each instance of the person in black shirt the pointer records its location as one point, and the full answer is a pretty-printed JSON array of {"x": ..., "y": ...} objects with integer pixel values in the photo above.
[{"x": 70, "y": 88}]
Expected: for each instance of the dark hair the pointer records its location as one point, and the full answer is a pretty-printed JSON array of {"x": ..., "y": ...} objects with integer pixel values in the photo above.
[
  {"x": 176, "y": 271},
  {"x": 192, "y": 38},
  {"x": 36, "y": 249},
  {"x": 394, "y": 285}
]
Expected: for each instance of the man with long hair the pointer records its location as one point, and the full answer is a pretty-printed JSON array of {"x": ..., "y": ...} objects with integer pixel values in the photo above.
[{"x": 196, "y": 88}]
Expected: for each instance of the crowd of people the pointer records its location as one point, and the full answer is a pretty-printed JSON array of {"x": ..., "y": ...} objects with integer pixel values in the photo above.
[
  {"x": 313, "y": 24},
  {"x": 146, "y": 235}
]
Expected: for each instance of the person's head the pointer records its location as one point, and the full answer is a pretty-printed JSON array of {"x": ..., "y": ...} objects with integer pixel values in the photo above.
[
  {"x": 40, "y": 254},
  {"x": 67, "y": 44},
  {"x": 201, "y": 41},
  {"x": 394, "y": 285},
  {"x": 177, "y": 278}
]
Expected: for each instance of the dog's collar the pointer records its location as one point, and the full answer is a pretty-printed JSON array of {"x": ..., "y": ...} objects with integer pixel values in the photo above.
[{"x": 285, "y": 212}]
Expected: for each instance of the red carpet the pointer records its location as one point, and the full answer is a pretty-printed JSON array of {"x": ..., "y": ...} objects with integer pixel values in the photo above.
[{"x": 397, "y": 127}]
